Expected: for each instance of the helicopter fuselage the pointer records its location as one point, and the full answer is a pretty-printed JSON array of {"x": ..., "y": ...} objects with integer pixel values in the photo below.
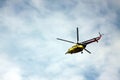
[{"x": 76, "y": 48}]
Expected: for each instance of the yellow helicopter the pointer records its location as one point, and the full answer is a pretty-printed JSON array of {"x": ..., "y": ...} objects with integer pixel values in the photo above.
[{"x": 79, "y": 47}]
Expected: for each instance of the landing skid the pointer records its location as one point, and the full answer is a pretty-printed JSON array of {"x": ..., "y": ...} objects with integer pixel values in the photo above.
[{"x": 81, "y": 52}]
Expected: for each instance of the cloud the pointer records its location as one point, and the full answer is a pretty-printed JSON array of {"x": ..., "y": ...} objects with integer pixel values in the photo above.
[
  {"x": 28, "y": 31},
  {"x": 8, "y": 69}
]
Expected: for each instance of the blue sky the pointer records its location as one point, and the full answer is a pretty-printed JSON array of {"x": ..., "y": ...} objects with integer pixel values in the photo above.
[{"x": 29, "y": 49}]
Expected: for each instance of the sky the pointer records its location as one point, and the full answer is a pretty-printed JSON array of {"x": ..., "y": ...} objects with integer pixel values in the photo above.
[{"x": 29, "y": 49}]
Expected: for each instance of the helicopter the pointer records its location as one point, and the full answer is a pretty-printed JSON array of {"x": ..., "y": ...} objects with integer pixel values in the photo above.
[{"x": 80, "y": 46}]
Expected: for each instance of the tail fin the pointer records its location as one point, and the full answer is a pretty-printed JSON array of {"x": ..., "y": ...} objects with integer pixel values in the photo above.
[
  {"x": 100, "y": 34},
  {"x": 99, "y": 37}
]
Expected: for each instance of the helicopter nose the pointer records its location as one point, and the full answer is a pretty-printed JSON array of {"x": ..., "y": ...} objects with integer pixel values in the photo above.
[{"x": 67, "y": 53}]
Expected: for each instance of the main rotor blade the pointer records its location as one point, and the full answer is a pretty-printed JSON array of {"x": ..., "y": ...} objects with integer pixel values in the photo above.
[
  {"x": 65, "y": 40},
  {"x": 77, "y": 35},
  {"x": 87, "y": 51}
]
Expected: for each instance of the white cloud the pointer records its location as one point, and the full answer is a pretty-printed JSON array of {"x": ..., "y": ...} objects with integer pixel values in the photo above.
[
  {"x": 35, "y": 29},
  {"x": 8, "y": 69}
]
